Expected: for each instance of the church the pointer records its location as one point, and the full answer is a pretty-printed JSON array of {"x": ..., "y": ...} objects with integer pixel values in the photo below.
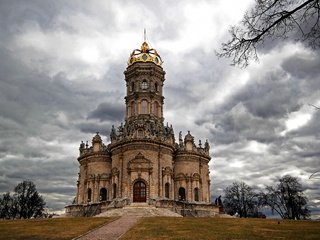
[{"x": 143, "y": 163}]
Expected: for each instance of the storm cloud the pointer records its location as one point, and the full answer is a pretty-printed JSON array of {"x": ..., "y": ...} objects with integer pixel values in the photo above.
[{"x": 61, "y": 80}]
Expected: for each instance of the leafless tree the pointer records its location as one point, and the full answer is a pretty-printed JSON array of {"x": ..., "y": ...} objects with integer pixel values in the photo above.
[
  {"x": 287, "y": 199},
  {"x": 272, "y": 19},
  {"x": 240, "y": 199}
]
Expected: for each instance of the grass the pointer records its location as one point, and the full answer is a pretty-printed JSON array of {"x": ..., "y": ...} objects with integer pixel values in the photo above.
[
  {"x": 164, "y": 228},
  {"x": 48, "y": 229},
  {"x": 222, "y": 228}
]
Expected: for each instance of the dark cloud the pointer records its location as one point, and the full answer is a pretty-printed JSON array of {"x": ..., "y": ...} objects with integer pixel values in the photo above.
[
  {"x": 92, "y": 127},
  {"x": 108, "y": 111},
  {"x": 61, "y": 80},
  {"x": 305, "y": 69},
  {"x": 49, "y": 176}
]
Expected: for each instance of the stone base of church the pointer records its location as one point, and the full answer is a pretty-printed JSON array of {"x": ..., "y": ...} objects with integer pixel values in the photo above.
[
  {"x": 190, "y": 209},
  {"x": 186, "y": 209}
]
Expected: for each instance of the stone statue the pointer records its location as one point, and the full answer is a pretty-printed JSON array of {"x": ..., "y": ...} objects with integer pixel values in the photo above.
[
  {"x": 113, "y": 134},
  {"x": 82, "y": 145},
  {"x": 180, "y": 139},
  {"x": 207, "y": 146}
]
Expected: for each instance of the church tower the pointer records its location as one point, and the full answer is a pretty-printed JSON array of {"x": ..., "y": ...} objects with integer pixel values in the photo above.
[
  {"x": 144, "y": 81},
  {"x": 143, "y": 163},
  {"x": 143, "y": 147}
]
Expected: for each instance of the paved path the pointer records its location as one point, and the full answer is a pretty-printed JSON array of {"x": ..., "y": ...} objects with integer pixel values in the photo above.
[{"x": 113, "y": 230}]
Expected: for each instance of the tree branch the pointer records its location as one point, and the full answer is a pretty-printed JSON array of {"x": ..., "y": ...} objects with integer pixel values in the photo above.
[{"x": 269, "y": 20}]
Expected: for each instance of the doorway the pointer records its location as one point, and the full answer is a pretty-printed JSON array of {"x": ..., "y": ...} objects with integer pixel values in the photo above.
[
  {"x": 139, "y": 192},
  {"x": 182, "y": 194},
  {"x": 103, "y": 194}
]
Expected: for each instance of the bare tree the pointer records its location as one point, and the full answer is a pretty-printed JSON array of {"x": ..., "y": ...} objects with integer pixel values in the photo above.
[
  {"x": 287, "y": 199},
  {"x": 241, "y": 199},
  {"x": 271, "y": 19}
]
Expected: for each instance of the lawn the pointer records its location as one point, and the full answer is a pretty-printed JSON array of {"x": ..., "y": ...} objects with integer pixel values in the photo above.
[
  {"x": 164, "y": 228},
  {"x": 222, "y": 228},
  {"x": 48, "y": 229}
]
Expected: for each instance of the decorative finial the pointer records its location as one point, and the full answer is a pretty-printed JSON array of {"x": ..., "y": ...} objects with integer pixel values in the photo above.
[{"x": 145, "y": 34}]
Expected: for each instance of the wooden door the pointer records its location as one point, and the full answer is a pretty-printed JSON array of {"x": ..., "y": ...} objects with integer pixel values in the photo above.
[{"x": 139, "y": 192}]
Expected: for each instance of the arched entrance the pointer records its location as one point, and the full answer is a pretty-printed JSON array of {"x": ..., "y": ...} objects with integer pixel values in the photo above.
[
  {"x": 139, "y": 192},
  {"x": 103, "y": 194},
  {"x": 182, "y": 194}
]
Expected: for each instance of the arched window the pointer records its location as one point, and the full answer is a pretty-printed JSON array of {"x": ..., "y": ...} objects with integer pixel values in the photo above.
[
  {"x": 196, "y": 194},
  {"x": 156, "y": 87},
  {"x": 144, "y": 107},
  {"x": 144, "y": 85},
  {"x": 132, "y": 86},
  {"x": 132, "y": 108},
  {"x": 89, "y": 193},
  {"x": 167, "y": 190},
  {"x": 103, "y": 194},
  {"x": 114, "y": 190},
  {"x": 155, "y": 108},
  {"x": 182, "y": 194},
  {"x": 140, "y": 133}
]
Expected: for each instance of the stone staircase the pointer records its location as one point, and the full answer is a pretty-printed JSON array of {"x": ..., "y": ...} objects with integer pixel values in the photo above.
[{"x": 139, "y": 209}]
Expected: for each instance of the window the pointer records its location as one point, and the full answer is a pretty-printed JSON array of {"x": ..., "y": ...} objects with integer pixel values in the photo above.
[
  {"x": 132, "y": 86},
  {"x": 89, "y": 194},
  {"x": 196, "y": 194},
  {"x": 132, "y": 108},
  {"x": 156, "y": 87},
  {"x": 114, "y": 190},
  {"x": 155, "y": 108},
  {"x": 167, "y": 190},
  {"x": 140, "y": 133},
  {"x": 144, "y": 85},
  {"x": 144, "y": 107}
]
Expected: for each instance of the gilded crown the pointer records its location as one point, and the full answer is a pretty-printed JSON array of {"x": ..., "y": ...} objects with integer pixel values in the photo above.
[{"x": 145, "y": 54}]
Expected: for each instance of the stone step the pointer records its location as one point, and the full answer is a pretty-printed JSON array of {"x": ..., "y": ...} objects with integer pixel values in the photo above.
[
  {"x": 139, "y": 205},
  {"x": 149, "y": 211}
]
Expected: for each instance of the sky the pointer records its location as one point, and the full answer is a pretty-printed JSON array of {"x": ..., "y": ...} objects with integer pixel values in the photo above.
[{"x": 61, "y": 80}]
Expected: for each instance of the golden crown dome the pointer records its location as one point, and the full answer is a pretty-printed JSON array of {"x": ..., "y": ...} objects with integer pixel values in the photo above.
[{"x": 145, "y": 54}]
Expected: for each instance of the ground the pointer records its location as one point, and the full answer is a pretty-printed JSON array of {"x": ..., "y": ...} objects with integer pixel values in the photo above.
[{"x": 165, "y": 228}]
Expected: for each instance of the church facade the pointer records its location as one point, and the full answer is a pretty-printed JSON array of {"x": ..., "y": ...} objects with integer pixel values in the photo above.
[{"x": 143, "y": 163}]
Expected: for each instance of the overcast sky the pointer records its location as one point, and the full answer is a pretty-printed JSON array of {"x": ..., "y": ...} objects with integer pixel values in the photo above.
[{"x": 61, "y": 80}]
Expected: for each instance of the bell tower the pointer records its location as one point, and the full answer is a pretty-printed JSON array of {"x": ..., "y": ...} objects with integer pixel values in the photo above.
[
  {"x": 144, "y": 99},
  {"x": 144, "y": 81}
]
